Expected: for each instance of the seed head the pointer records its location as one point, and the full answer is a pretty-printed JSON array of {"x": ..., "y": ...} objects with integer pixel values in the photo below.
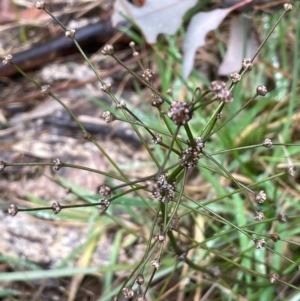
[
  {"x": 199, "y": 143},
  {"x": 259, "y": 216},
  {"x": 180, "y": 112},
  {"x": 86, "y": 135},
  {"x": 267, "y": 143},
  {"x": 291, "y": 171},
  {"x": 174, "y": 225},
  {"x": 121, "y": 104},
  {"x": 225, "y": 95},
  {"x": 108, "y": 49},
  {"x": 161, "y": 238},
  {"x": 7, "y": 59},
  {"x": 128, "y": 292},
  {"x": 260, "y": 243},
  {"x": 40, "y": 5},
  {"x": 288, "y": 7},
  {"x": 162, "y": 190},
  {"x": 157, "y": 139},
  {"x": 57, "y": 164},
  {"x": 140, "y": 279},
  {"x": 147, "y": 75},
  {"x": 13, "y": 209},
  {"x": 275, "y": 237},
  {"x": 261, "y": 90},
  {"x": 105, "y": 190},
  {"x": 56, "y": 207},
  {"x": 45, "y": 90},
  {"x": 217, "y": 86},
  {"x": 106, "y": 87},
  {"x": 156, "y": 101},
  {"x": 104, "y": 204},
  {"x": 273, "y": 277},
  {"x": 191, "y": 155},
  {"x": 235, "y": 77},
  {"x": 70, "y": 33},
  {"x": 260, "y": 197},
  {"x": 108, "y": 117},
  {"x": 282, "y": 217},
  {"x": 221, "y": 90},
  {"x": 155, "y": 263},
  {"x": 247, "y": 64}
]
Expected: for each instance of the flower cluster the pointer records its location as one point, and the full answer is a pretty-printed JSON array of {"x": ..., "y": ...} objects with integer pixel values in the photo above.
[
  {"x": 164, "y": 191},
  {"x": 180, "y": 112},
  {"x": 191, "y": 154},
  {"x": 221, "y": 90}
]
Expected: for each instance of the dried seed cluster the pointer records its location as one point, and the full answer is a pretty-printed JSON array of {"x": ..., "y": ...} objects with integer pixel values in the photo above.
[
  {"x": 106, "y": 87},
  {"x": 291, "y": 171},
  {"x": 260, "y": 243},
  {"x": 45, "y": 90},
  {"x": 40, "y": 5},
  {"x": 259, "y": 216},
  {"x": 163, "y": 191},
  {"x": 108, "y": 49},
  {"x": 147, "y": 75},
  {"x": 108, "y": 117},
  {"x": 155, "y": 263},
  {"x": 56, "y": 207},
  {"x": 104, "y": 204},
  {"x": 57, "y": 164},
  {"x": 260, "y": 197},
  {"x": 105, "y": 190},
  {"x": 235, "y": 77},
  {"x": 128, "y": 292},
  {"x": 86, "y": 135},
  {"x": 174, "y": 225},
  {"x": 157, "y": 139},
  {"x": 156, "y": 101},
  {"x": 275, "y": 237},
  {"x": 180, "y": 112},
  {"x": 261, "y": 90},
  {"x": 247, "y": 64},
  {"x": 121, "y": 104},
  {"x": 161, "y": 238},
  {"x": 191, "y": 155},
  {"x": 13, "y": 210},
  {"x": 140, "y": 279},
  {"x": 273, "y": 277},
  {"x": 288, "y": 6},
  {"x": 267, "y": 143},
  {"x": 282, "y": 217},
  {"x": 70, "y": 33},
  {"x": 221, "y": 91},
  {"x": 7, "y": 59}
]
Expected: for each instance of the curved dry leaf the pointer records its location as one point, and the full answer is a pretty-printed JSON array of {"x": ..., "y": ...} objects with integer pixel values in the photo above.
[
  {"x": 242, "y": 43},
  {"x": 155, "y": 17},
  {"x": 197, "y": 30}
]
